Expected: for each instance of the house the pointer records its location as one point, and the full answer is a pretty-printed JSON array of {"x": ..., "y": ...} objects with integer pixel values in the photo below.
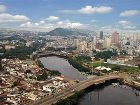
[
  {"x": 100, "y": 68},
  {"x": 60, "y": 77},
  {"x": 10, "y": 47}
]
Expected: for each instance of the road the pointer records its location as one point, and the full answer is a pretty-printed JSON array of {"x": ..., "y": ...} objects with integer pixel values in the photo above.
[{"x": 49, "y": 100}]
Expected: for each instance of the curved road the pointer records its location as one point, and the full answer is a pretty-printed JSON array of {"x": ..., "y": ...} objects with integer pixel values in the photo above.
[{"x": 71, "y": 90}]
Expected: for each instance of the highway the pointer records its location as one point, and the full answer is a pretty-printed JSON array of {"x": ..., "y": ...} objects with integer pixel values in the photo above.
[{"x": 49, "y": 100}]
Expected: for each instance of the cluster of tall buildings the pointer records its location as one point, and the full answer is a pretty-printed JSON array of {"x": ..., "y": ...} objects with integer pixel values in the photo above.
[
  {"x": 98, "y": 42},
  {"x": 114, "y": 40},
  {"x": 130, "y": 42}
]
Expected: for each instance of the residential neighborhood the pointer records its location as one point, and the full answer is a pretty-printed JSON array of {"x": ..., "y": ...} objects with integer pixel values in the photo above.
[{"x": 19, "y": 84}]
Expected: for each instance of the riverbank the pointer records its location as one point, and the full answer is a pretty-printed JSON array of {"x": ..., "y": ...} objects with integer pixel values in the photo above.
[
  {"x": 81, "y": 68},
  {"x": 78, "y": 66},
  {"x": 75, "y": 100},
  {"x": 60, "y": 61},
  {"x": 51, "y": 72},
  {"x": 72, "y": 100},
  {"x": 133, "y": 84},
  {"x": 63, "y": 66},
  {"x": 72, "y": 62}
]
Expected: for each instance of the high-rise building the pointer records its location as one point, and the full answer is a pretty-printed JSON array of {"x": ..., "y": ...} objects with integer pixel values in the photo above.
[
  {"x": 94, "y": 41},
  {"x": 107, "y": 42},
  {"x": 101, "y": 34},
  {"x": 115, "y": 39},
  {"x": 135, "y": 37},
  {"x": 76, "y": 42},
  {"x": 82, "y": 47}
]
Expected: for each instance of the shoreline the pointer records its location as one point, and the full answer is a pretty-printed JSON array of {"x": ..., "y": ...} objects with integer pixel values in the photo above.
[
  {"x": 133, "y": 84},
  {"x": 129, "y": 84},
  {"x": 68, "y": 60}
]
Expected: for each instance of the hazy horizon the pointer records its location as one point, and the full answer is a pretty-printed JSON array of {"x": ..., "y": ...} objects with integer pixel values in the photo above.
[{"x": 46, "y": 15}]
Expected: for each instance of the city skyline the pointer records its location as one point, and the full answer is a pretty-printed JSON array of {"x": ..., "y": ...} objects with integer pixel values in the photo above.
[{"x": 106, "y": 15}]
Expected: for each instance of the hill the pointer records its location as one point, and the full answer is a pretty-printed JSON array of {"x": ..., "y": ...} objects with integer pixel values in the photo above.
[{"x": 68, "y": 32}]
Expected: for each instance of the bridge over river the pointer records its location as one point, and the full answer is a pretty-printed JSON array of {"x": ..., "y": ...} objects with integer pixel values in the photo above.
[
  {"x": 49, "y": 100},
  {"x": 50, "y": 53}
]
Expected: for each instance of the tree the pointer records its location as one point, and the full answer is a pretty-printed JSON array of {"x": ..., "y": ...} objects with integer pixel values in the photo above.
[
  {"x": 54, "y": 73},
  {"x": 21, "y": 52},
  {"x": 1, "y": 68},
  {"x": 97, "y": 59},
  {"x": 15, "y": 83},
  {"x": 123, "y": 52},
  {"x": 28, "y": 71},
  {"x": 43, "y": 76},
  {"x": 94, "y": 51},
  {"x": 84, "y": 58},
  {"x": 78, "y": 66},
  {"x": 117, "y": 68},
  {"x": 139, "y": 66}
]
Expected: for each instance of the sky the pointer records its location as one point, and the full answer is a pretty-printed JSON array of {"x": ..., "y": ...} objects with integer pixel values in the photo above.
[{"x": 83, "y": 14}]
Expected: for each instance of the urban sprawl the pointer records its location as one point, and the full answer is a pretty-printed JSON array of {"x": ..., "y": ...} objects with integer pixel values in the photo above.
[{"x": 23, "y": 78}]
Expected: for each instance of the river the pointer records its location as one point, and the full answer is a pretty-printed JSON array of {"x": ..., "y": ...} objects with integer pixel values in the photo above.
[
  {"x": 62, "y": 65},
  {"x": 110, "y": 95},
  {"x": 104, "y": 95}
]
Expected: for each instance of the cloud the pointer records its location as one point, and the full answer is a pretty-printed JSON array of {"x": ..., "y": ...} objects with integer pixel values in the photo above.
[
  {"x": 93, "y": 20},
  {"x": 41, "y": 24},
  {"x": 2, "y": 8},
  {"x": 5, "y": 17},
  {"x": 69, "y": 24},
  {"x": 107, "y": 28},
  {"x": 89, "y": 10},
  {"x": 50, "y": 26},
  {"x": 130, "y": 13},
  {"x": 52, "y": 18},
  {"x": 124, "y": 24}
]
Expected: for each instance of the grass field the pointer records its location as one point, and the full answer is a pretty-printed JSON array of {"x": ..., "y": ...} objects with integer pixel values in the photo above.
[{"x": 121, "y": 68}]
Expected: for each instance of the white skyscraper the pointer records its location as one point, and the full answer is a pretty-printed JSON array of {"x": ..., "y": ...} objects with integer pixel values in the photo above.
[{"x": 107, "y": 42}]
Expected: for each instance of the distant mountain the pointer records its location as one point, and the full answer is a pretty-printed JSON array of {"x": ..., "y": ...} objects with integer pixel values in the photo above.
[{"x": 69, "y": 32}]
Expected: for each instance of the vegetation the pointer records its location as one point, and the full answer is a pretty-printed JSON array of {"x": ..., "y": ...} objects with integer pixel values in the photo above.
[
  {"x": 45, "y": 73},
  {"x": 94, "y": 51},
  {"x": 2, "y": 50},
  {"x": 61, "y": 49},
  {"x": 37, "y": 45},
  {"x": 51, "y": 49},
  {"x": 65, "y": 32},
  {"x": 95, "y": 64},
  {"x": 98, "y": 73},
  {"x": 21, "y": 52},
  {"x": 78, "y": 61},
  {"x": 139, "y": 66},
  {"x": 83, "y": 58},
  {"x": 54, "y": 73},
  {"x": 122, "y": 68},
  {"x": 1, "y": 68},
  {"x": 14, "y": 37},
  {"x": 43, "y": 76},
  {"x": 123, "y": 52},
  {"x": 15, "y": 83},
  {"x": 115, "y": 67},
  {"x": 39, "y": 64},
  {"x": 72, "y": 100},
  {"x": 106, "y": 54},
  {"x": 78, "y": 66}
]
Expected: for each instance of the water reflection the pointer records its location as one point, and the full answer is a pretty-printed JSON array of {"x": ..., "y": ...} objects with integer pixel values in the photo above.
[
  {"x": 62, "y": 65},
  {"x": 110, "y": 95}
]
